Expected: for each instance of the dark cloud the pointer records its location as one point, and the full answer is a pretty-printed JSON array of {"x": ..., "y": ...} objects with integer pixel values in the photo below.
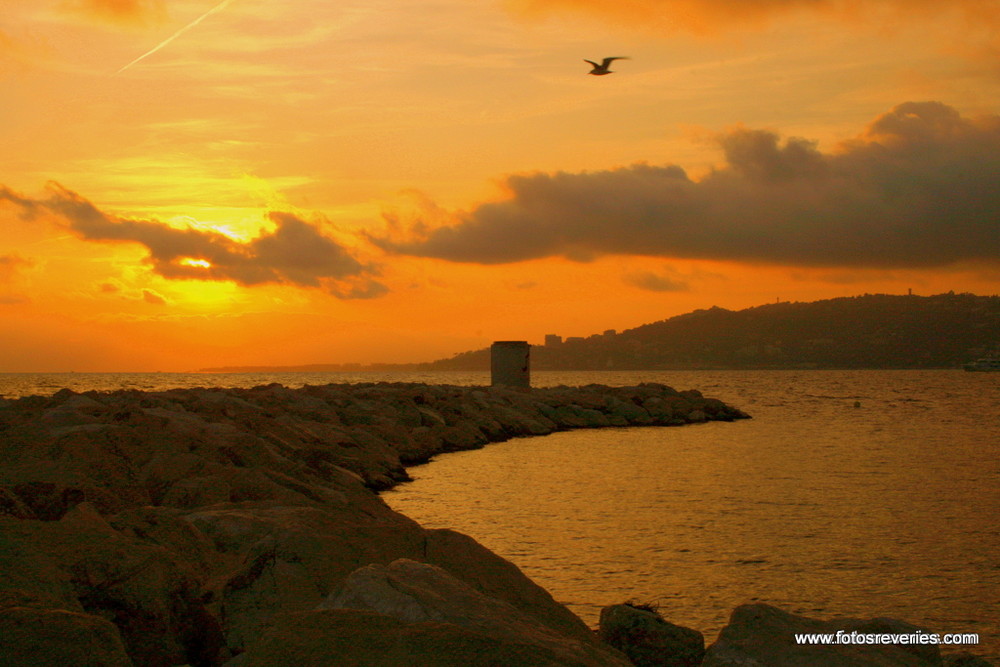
[
  {"x": 918, "y": 188},
  {"x": 655, "y": 282},
  {"x": 294, "y": 253},
  {"x": 149, "y": 296}
]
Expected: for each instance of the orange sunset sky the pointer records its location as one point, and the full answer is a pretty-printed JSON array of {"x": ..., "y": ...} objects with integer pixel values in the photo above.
[{"x": 192, "y": 183}]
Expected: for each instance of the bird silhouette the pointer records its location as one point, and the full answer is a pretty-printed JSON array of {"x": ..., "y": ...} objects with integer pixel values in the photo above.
[{"x": 602, "y": 69}]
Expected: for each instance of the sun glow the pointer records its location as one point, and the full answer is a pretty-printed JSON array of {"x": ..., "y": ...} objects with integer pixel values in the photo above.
[
  {"x": 201, "y": 263},
  {"x": 198, "y": 297},
  {"x": 226, "y": 229}
]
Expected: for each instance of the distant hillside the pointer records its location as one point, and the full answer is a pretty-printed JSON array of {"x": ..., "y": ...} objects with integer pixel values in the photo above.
[{"x": 870, "y": 331}]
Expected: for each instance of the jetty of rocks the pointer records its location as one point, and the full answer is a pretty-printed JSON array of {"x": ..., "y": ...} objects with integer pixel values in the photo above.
[{"x": 244, "y": 527}]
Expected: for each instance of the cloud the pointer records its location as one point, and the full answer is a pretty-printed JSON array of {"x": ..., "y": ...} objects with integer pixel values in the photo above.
[
  {"x": 149, "y": 296},
  {"x": 916, "y": 189},
  {"x": 12, "y": 268},
  {"x": 11, "y": 265},
  {"x": 656, "y": 282},
  {"x": 294, "y": 253}
]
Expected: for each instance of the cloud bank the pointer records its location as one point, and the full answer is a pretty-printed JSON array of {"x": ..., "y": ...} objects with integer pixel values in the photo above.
[
  {"x": 294, "y": 253},
  {"x": 917, "y": 189}
]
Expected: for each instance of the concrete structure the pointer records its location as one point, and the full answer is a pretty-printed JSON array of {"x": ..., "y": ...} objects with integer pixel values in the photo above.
[
  {"x": 509, "y": 363},
  {"x": 553, "y": 340}
]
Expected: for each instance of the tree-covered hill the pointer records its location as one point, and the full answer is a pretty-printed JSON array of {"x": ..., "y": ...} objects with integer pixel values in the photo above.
[{"x": 869, "y": 331}]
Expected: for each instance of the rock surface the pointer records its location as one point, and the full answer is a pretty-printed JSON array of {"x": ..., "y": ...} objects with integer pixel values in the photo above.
[
  {"x": 30, "y": 637},
  {"x": 328, "y": 637},
  {"x": 413, "y": 592},
  {"x": 759, "y": 635},
  {"x": 648, "y": 640},
  {"x": 201, "y": 526},
  {"x": 965, "y": 659}
]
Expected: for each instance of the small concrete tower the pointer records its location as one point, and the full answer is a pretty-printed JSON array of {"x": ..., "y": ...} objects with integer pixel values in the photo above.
[{"x": 509, "y": 363}]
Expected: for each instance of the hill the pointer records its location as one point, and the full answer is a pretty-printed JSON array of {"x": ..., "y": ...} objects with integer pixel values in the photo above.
[{"x": 869, "y": 331}]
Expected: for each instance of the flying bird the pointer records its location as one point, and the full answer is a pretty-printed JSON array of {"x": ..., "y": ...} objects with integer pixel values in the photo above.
[{"x": 602, "y": 69}]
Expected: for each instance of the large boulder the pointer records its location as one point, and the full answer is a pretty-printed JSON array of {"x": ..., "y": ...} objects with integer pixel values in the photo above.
[
  {"x": 632, "y": 413},
  {"x": 29, "y": 576},
  {"x": 759, "y": 635},
  {"x": 498, "y": 578},
  {"x": 289, "y": 559},
  {"x": 149, "y": 591},
  {"x": 419, "y": 593},
  {"x": 648, "y": 640},
  {"x": 326, "y": 637},
  {"x": 31, "y": 637},
  {"x": 574, "y": 416}
]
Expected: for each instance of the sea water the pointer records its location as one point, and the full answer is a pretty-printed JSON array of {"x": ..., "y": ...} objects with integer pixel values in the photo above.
[{"x": 849, "y": 493}]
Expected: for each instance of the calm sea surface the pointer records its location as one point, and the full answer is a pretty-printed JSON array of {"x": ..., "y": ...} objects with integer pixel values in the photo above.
[{"x": 815, "y": 505}]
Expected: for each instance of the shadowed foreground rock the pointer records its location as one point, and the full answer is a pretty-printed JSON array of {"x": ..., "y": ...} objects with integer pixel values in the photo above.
[
  {"x": 648, "y": 640},
  {"x": 410, "y": 613},
  {"x": 762, "y": 635},
  {"x": 57, "y": 637},
  {"x": 965, "y": 659},
  {"x": 198, "y": 526}
]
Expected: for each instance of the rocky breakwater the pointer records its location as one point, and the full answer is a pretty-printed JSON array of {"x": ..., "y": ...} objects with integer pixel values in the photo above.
[{"x": 215, "y": 526}]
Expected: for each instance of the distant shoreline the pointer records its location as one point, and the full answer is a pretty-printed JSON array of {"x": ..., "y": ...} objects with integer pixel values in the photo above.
[
  {"x": 403, "y": 368},
  {"x": 390, "y": 368},
  {"x": 874, "y": 331}
]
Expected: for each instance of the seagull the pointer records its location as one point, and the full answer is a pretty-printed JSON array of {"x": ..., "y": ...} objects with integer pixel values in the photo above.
[{"x": 602, "y": 69}]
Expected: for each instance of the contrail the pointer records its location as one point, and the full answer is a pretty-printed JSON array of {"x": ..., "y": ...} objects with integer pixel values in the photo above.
[{"x": 218, "y": 8}]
